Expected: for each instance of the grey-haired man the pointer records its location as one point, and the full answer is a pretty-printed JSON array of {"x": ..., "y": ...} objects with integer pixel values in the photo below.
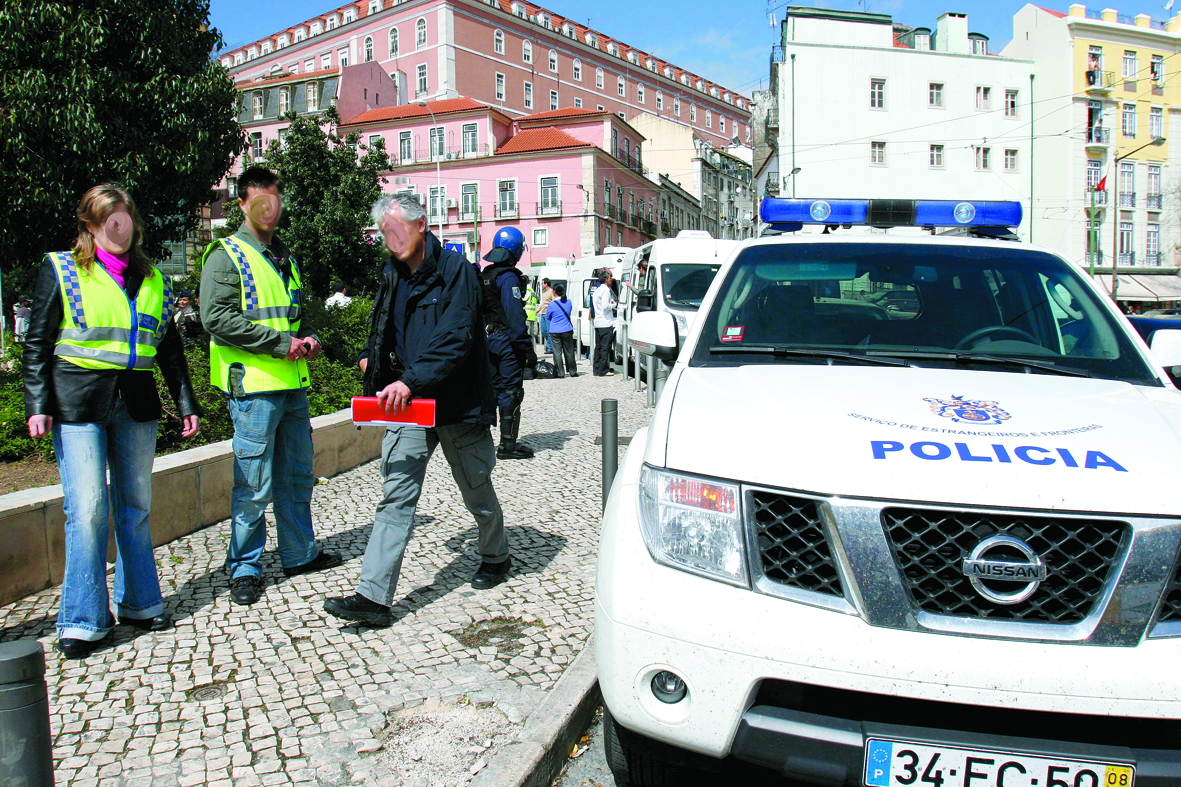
[{"x": 426, "y": 339}]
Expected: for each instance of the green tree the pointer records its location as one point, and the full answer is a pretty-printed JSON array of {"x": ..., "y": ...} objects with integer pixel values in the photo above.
[{"x": 99, "y": 90}]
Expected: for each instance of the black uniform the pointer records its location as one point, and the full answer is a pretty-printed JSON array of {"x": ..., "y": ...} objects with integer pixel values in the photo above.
[{"x": 510, "y": 347}]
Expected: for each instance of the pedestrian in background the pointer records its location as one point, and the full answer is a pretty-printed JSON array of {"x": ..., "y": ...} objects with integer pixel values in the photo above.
[
  {"x": 22, "y": 313},
  {"x": 187, "y": 318},
  {"x": 547, "y": 295},
  {"x": 426, "y": 339},
  {"x": 562, "y": 333},
  {"x": 340, "y": 296},
  {"x": 604, "y": 302},
  {"x": 260, "y": 345},
  {"x": 89, "y": 383}
]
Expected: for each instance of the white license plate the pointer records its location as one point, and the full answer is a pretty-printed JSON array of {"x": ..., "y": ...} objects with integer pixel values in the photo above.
[{"x": 902, "y": 764}]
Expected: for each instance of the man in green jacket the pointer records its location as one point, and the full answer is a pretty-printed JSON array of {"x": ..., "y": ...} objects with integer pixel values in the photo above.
[{"x": 259, "y": 348}]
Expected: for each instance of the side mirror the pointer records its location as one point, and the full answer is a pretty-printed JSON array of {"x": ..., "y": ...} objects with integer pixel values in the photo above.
[
  {"x": 644, "y": 301},
  {"x": 1166, "y": 347},
  {"x": 654, "y": 333}
]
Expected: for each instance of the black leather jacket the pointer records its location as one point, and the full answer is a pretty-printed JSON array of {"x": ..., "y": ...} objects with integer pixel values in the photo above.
[{"x": 72, "y": 394}]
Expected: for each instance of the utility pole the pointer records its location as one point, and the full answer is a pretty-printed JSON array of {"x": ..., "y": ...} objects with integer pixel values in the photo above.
[
  {"x": 794, "y": 168},
  {"x": 1031, "y": 158}
]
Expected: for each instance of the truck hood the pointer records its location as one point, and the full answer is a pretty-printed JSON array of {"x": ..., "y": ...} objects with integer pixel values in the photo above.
[{"x": 957, "y": 437}]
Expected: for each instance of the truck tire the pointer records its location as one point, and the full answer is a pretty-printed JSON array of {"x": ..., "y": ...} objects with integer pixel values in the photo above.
[{"x": 633, "y": 768}]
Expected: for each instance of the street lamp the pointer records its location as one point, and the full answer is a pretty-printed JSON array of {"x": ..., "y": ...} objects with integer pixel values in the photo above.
[
  {"x": 1115, "y": 213},
  {"x": 438, "y": 170},
  {"x": 794, "y": 171}
]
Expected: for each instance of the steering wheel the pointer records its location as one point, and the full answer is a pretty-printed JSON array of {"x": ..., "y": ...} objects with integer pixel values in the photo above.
[{"x": 990, "y": 330}]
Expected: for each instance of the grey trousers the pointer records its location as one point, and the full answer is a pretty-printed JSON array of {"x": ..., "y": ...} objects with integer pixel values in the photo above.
[{"x": 404, "y": 455}]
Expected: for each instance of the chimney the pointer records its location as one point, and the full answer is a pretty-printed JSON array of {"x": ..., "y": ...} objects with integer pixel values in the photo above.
[{"x": 953, "y": 34}]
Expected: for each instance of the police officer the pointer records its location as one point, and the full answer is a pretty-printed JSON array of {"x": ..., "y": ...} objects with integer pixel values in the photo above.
[{"x": 509, "y": 344}]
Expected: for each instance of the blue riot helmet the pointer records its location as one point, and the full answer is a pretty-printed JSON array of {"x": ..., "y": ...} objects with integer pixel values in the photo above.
[{"x": 507, "y": 246}]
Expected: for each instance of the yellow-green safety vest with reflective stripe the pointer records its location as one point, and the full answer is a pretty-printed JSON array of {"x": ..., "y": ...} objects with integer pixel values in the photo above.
[
  {"x": 530, "y": 306},
  {"x": 267, "y": 300},
  {"x": 102, "y": 327}
]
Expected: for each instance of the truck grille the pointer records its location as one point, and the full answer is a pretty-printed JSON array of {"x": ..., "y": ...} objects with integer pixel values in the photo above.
[
  {"x": 930, "y": 547},
  {"x": 1171, "y": 608},
  {"x": 793, "y": 547}
]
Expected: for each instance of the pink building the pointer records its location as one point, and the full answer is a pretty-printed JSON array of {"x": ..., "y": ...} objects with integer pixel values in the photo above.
[
  {"x": 509, "y": 54},
  {"x": 571, "y": 180}
]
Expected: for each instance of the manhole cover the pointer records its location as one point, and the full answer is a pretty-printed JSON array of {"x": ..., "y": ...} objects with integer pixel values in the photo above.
[{"x": 213, "y": 691}]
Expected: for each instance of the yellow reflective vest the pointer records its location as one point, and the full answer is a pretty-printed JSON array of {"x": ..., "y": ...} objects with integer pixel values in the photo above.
[
  {"x": 102, "y": 327},
  {"x": 266, "y": 299}
]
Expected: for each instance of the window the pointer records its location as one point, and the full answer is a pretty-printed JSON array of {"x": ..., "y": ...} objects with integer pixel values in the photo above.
[
  {"x": 1158, "y": 68},
  {"x": 592, "y": 40},
  {"x": 1129, "y": 64},
  {"x": 1152, "y": 245},
  {"x": 578, "y": 103},
  {"x": 256, "y": 104},
  {"x": 438, "y": 149},
  {"x": 299, "y": 34},
  {"x": 599, "y": 78},
  {"x": 284, "y": 100},
  {"x": 1127, "y": 181},
  {"x": 607, "y": 193},
  {"x": 659, "y": 100},
  {"x": 313, "y": 96},
  {"x": 420, "y": 34},
  {"x": 627, "y": 152},
  {"x": 936, "y": 158},
  {"x": 500, "y": 87},
  {"x": 293, "y": 68},
  {"x": 283, "y": 42},
  {"x": 1156, "y": 123},
  {"x": 469, "y": 139},
  {"x": 979, "y": 46},
  {"x": 519, "y": 10},
  {"x": 641, "y": 93},
  {"x": 1154, "y": 181},
  {"x": 422, "y": 86},
  {"x": 266, "y": 47},
  {"x": 405, "y": 151},
  {"x": 333, "y": 22},
  {"x": 621, "y": 87},
  {"x": 393, "y": 42},
  {"x": 498, "y": 42},
  {"x": 922, "y": 41},
  {"x": 316, "y": 29},
  {"x": 507, "y": 196},
  {"x": 373, "y": 140},
  {"x": 309, "y": 65},
  {"x": 1094, "y": 173},
  {"x": 549, "y": 196},
  {"x": 709, "y": 119},
  {"x": 568, "y": 30},
  {"x": 692, "y": 113},
  {"x": 983, "y": 158},
  {"x": 983, "y": 97},
  {"x": 1010, "y": 160},
  {"x": 553, "y": 99},
  {"x": 1010, "y": 103},
  {"x": 577, "y": 70},
  {"x": 935, "y": 94},
  {"x": 368, "y": 50},
  {"x": 677, "y": 106},
  {"x": 252, "y": 53},
  {"x": 618, "y": 237},
  {"x": 615, "y": 142},
  {"x": 342, "y": 56},
  {"x": 469, "y": 201},
  {"x": 256, "y": 145},
  {"x": 528, "y": 95},
  {"x": 540, "y": 237},
  {"x": 350, "y": 16},
  {"x": 721, "y": 124},
  {"x": 1128, "y": 120},
  {"x": 877, "y": 94},
  {"x": 438, "y": 203},
  {"x": 877, "y": 152},
  {"x": 613, "y": 48},
  {"x": 527, "y": 51},
  {"x": 326, "y": 61},
  {"x": 1125, "y": 242},
  {"x": 374, "y": 6},
  {"x": 553, "y": 61},
  {"x": 282, "y": 138}
]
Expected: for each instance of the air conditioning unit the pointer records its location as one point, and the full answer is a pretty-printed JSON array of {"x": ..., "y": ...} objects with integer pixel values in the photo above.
[{"x": 452, "y": 203}]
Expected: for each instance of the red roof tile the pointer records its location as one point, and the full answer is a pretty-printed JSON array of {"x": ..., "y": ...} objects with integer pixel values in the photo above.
[
  {"x": 568, "y": 112},
  {"x": 1058, "y": 14},
  {"x": 445, "y": 107},
  {"x": 532, "y": 140},
  {"x": 285, "y": 76}
]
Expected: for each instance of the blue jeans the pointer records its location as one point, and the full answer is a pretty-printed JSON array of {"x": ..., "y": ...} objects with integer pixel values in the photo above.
[
  {"x": 543, "y": 321},
  {"x": 272, "y": 458},
  {"x": 84, "y": 452}
]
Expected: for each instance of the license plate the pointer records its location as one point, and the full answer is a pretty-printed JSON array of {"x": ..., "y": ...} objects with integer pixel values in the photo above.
[{"x": 903, "y": 764}]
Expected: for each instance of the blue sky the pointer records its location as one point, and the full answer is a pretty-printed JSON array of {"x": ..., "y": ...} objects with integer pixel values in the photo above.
[{"x": 727, "y": 42}]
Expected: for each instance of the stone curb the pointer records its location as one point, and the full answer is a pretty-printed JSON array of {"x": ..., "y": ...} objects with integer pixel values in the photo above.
[{"x": 550, "y": 732}]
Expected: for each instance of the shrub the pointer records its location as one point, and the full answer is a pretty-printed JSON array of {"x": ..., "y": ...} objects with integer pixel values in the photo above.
[
  {"x": 15, "y": 443},
  {"x": 343, "y": 331}
]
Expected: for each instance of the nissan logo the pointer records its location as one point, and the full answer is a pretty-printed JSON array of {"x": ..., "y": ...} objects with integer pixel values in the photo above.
[{"x": 1012, "y": 562}]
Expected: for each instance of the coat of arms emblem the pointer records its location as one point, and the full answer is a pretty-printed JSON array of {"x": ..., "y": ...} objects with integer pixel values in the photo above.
[{"x": 969, "y": 411}]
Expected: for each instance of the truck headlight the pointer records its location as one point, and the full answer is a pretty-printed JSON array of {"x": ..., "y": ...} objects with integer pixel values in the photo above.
[
  {"x": 693, "y": 524},
  {"x": 682, "y": 324}
]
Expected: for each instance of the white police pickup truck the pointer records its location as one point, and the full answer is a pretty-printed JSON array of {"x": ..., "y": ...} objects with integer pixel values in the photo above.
[{"x": 908, "y": 514}]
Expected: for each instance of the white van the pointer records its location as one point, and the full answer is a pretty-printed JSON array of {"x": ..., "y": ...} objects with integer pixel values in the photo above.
[{"x": 582, "y": 277}]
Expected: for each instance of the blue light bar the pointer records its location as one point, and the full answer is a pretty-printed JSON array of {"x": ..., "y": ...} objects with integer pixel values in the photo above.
[{"x": 891, "y": 212}]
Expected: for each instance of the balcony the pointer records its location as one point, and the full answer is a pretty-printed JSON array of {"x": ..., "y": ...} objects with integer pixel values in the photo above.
[
  {"x": 636, "y": 219},
  {"x": 609, "y": 209},
  {"x": 1127, "y": 258},
  {"x": 1097, "y": 199},
  {"x": 1099, "y": 83},
  {"x": 1094, "y": 258},
  {"x": 508, "y": 210},
  {"x": 1153, "y": 201},
  {"x": 649, "y": 228},
  {"x": 549, "y": 208},
  {"x": 1127, "y": 200},
  {"x": 666, "y": 229},
  {"x": 1152, "y": 259},
  {"x": 1098, "y": 137},
  {"x": 428, "y": 155},
  {"x": 469, "y": 213},
  {"x": 777, "y": 54}
]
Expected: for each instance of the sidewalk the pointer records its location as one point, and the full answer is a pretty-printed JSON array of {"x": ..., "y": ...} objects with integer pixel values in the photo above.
[{"x": 280, "y": 693}]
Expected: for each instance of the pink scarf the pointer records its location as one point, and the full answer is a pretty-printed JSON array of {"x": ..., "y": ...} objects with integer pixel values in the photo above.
[{"x": 114, "y": 265}]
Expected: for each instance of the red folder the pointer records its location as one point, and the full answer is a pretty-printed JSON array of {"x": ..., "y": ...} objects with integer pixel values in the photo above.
[{"x": 367, "y": 411}]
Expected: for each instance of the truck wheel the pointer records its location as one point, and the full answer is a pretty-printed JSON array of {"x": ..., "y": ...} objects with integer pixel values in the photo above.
[{"x": 633, "y": 768}]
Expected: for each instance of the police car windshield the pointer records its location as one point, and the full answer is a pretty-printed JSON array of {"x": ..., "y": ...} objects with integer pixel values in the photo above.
[
  {"x": 684, "y": 285},
  {"x": 936, "y": 305}
]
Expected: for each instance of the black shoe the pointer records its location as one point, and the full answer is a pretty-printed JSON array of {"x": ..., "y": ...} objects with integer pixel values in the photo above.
[
  {"x": 245, "y": 590},
  {"x": 511, "y": 449},
  {"x": 358, "y": 609},
  {"x": 161, "y": 622},
  {"x": 81, "y": 648},
  {"x": 322, "y": 561},
  {"x": 491, "y": 574},
  {"x": 573, "y": 374}
]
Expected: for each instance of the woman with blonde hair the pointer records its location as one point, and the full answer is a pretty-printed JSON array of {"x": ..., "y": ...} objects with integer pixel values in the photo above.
[{"x": 101, "y": 321}]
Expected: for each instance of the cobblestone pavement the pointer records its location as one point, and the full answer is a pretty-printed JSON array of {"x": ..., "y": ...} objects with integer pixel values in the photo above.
[{"x": 280, "y": 693}]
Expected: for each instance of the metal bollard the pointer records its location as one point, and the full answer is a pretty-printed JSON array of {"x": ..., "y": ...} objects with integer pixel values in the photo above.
[
  {"x": 651, "y": 371},
  {"x": 636, "y": 368},
  {"x": 578, "y": 338},
  {"x": 26, "y": 743},
  {"x": 610, "y": 427},
  {"x": 661, "y": 376}
]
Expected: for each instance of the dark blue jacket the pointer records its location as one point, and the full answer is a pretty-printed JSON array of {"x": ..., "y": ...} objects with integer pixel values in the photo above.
[
  {"x": 443, "y": 339},
  {"x": 512, "y": 300}
]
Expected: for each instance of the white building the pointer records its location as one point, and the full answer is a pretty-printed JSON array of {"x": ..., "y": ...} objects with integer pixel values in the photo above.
[{"x": 867, "y": 108}]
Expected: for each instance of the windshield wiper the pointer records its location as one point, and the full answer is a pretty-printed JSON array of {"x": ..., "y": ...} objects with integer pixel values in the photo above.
[
  {"x": 963, "y": 358},
  {"x": 801, "y": 352}
]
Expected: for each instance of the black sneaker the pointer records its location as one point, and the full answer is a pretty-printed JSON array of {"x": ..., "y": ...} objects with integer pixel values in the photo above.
[
  {"x": 161, "y": 622},
  {"x": 322, "y": 561},
  {"x": 491, "y": 574},
  {"x": 358, "y": 609},
  {"x": 81, "y": 648},
  {"x": 513, "y": 450},
  {"x": 245, "y": 590}
]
